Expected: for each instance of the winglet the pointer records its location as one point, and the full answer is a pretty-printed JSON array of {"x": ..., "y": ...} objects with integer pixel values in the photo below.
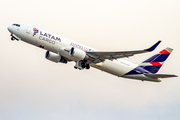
[{"x": 153, "y": 47}]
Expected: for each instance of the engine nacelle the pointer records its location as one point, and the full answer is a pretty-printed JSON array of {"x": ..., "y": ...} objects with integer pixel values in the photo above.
[
  {"x": 77, "y": 54},
  {"x": 55, "y": 57}
]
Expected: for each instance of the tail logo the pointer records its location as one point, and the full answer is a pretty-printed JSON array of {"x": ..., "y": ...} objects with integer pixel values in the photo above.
[
  {"x": 154, "y": 63},
  {"x": 35, "y": 31}
]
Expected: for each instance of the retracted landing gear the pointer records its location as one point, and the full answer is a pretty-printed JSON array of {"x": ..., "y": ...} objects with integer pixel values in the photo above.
[
  {"x": 82, "y": 65},
  {"x": 14, "y": 38}
]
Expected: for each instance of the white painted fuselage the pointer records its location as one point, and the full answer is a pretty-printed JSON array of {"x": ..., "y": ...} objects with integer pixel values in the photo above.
[{"x": 57, "y": 44}]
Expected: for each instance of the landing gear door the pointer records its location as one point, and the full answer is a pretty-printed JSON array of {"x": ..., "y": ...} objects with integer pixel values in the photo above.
[{"x": 28, "y": 30}]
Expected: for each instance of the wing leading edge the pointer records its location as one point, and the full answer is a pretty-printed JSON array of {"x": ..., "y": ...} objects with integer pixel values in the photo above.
[{"x": 102, "y": 55}]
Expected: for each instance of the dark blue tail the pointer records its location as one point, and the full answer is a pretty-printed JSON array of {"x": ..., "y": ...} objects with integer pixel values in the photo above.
[{"x": 154, "y": 63}]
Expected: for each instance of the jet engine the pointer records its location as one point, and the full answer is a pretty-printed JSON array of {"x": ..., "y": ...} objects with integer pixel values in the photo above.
[
  {"x": 77, "y": 53},
  {"x": 55, "y": 57}
]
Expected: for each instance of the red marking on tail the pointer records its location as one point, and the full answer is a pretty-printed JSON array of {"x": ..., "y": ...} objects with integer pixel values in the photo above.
[
  {"x": 164, "y": 52},
  {"x": 155, "y": 63}
]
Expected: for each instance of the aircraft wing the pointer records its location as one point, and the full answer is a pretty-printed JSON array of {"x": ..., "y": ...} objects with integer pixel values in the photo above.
[{"x": 102, "y": 55}]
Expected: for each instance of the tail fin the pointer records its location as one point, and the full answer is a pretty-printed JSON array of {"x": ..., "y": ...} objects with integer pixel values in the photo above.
[{"x": 154, "y": 63}]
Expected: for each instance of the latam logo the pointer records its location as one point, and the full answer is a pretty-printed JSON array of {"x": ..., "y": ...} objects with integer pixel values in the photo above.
[{"x": 35, "y": 31}]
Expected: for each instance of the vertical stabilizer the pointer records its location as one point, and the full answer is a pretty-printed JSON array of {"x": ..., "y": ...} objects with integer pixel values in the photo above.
[{"x": 154, "y": 63}]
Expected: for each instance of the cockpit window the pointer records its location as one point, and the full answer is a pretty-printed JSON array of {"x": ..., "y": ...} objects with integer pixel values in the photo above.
[{"x": 16, "y": 25}]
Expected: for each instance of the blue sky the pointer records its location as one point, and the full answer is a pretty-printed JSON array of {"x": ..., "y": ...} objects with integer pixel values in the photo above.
[{"x": 32, "y": 87}]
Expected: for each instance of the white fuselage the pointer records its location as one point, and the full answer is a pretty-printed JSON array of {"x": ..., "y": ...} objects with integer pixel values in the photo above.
[{"x": 58, "y": 44}]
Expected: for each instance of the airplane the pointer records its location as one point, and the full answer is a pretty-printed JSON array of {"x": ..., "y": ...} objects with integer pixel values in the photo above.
[{"x": 61, "y": 49}]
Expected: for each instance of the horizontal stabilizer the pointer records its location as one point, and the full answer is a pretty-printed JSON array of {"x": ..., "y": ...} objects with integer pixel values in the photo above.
[{"x": 160, "y": 75}]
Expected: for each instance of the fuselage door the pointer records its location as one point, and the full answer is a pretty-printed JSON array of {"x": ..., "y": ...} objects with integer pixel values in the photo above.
[{"x": 28, "y": 30}]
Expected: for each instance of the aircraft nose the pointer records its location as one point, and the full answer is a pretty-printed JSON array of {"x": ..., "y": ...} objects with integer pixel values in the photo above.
[{"x": 9, "y": 28}]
